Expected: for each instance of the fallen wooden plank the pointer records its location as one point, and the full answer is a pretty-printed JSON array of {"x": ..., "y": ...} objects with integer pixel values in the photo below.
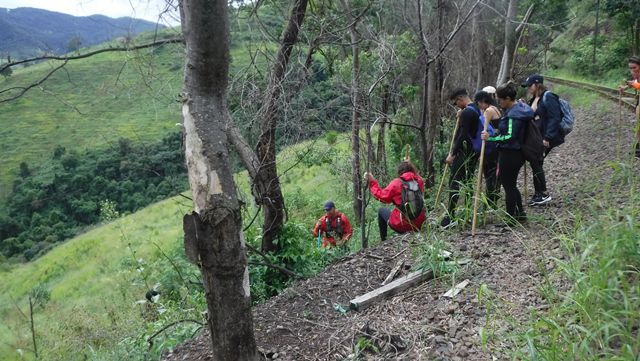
[
  {"x": 394, "y": 272},
  {"x": 456, "y": 289},
  {"x": 361, "y": 302}
]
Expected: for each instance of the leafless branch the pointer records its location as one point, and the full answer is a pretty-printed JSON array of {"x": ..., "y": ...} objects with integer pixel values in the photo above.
[{"x": 33, "y": 85}]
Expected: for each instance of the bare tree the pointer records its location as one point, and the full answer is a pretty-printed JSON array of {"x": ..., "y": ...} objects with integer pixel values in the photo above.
[
  {"x": 214, "y": 229},
  {"x": 356, "y": 177}
]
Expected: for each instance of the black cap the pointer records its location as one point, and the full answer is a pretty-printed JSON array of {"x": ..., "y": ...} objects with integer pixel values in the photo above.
[
  {"x": 533, "y": 79},
  {"x": 328, "y": 205}
]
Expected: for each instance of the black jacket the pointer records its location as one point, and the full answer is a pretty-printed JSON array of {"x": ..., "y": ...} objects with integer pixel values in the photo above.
[
  {"x": 510, "y": 134},
  {"x": 549, "y": 117},
  {"x": 469, "y": 117}
]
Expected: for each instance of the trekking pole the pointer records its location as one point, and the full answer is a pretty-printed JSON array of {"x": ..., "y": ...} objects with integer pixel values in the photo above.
[
  {"x": 319, "y": 238},
  {"x": 446, "y": 165},
  {"x": 478, "y": 183}
]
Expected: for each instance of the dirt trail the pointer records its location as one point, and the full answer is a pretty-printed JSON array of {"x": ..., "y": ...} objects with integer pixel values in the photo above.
[{"x": 419, "y": 324}]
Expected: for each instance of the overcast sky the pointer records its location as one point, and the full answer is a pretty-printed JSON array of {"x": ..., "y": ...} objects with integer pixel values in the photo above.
[{"x": 142, "y": 9}]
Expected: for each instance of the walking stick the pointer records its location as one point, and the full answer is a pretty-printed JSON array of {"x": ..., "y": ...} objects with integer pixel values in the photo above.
[
  {"x": 319, "y": 238},
  {"x": 478, "y": 183},
  {"x": 446, "y": 165}
]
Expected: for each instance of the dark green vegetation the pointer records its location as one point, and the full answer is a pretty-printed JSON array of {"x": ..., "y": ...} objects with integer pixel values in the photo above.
[
  {"x": 29, "y": 32},
  {"x": 50, "y": 204}
]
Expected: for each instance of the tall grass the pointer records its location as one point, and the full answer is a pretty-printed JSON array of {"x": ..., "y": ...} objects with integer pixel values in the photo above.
[{"x": 596, "y": 315}]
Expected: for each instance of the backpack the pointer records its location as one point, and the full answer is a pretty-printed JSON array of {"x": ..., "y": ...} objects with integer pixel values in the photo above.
[
  {"x": 567, "y": 121},
  {"x": 412, "y": 199},
  {"x": 532, "y": 147},
  {"x": 338, "y": 231},
  {"x": 476, "y": 141}
]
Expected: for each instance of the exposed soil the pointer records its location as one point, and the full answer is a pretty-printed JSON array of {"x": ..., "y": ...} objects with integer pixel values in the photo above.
[{"x": 303, "y": 323}]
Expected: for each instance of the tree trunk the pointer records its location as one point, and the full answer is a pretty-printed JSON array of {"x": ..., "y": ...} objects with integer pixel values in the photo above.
[
  {"x": 356, "y": 177},
  {"x": 509, "y": 42},
  {"x": 214, "y": 229},
  {"x": 266, "y": 184},
  {"x": 381, "y": 153}
]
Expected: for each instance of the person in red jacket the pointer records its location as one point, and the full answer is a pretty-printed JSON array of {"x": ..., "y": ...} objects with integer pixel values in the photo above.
[
  {"x": 334, "y": 227},
  {"x": 397, "y": 220}
]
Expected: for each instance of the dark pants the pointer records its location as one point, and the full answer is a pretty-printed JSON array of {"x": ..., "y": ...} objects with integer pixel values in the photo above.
[
  {"x": 383, "y": 221},
  {"x": 462, "y": 170},
  {"x": 490, "y": 169},
  {"x": 510, "y": 162},
  {"x": 539, "y": 180}
]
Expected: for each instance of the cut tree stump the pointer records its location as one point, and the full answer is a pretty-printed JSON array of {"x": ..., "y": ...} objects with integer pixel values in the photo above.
[
  {"x": 361, "y": 302},
  {"x": 394, "y": 272},
  {"x": 456, "y": 289}
]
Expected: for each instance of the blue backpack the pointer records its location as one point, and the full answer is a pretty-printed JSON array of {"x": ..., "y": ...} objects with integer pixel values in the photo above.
[
  {"x": 476, "y": 141},
  {"x": 567, "y": 121}
]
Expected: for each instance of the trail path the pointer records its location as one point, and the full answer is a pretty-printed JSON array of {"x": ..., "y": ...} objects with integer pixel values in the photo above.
[{"x": 419, "y": 324}]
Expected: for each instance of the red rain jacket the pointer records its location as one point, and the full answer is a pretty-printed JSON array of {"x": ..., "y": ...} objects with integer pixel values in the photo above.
[{"x": 393, "y": 194}]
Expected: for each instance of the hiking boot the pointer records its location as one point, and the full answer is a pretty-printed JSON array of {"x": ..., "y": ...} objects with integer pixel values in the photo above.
[
  {"x": 446, "y": 223},
  {"x": 540, "y": 199}
]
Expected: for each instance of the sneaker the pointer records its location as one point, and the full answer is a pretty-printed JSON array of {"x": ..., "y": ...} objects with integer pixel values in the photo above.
[
  {"x": 540, "y": 199},
  {"x": 638, "y": 150},
  {"x": 533, "y": 199}
]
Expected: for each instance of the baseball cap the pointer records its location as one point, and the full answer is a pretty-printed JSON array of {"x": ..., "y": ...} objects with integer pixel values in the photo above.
[
  {"x": 489, "y": 89},
  {"x": 328, "y": 205},
  {"x": 533, "y": 79}
]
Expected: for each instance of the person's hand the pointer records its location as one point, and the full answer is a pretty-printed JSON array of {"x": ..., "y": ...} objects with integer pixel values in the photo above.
[
  {"x": 450, "y": 159},
  {"x": 484, "y": 135},
  {"x": 368, "y": 176},
  {"x": 545, "y": 143}
]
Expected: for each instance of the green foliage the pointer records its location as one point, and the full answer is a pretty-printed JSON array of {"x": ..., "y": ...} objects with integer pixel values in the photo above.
[{"x": 74, "y": 190}]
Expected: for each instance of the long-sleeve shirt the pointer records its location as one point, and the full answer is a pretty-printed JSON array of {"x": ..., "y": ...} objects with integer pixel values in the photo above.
[{"x": 467, "y": 128}]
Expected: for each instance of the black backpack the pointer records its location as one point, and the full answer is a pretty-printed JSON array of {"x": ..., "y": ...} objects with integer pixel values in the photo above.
[
  {"x": 532, "y": 147},
  {"x": 339, "y": 232},
  {"x": 412, "y": 199}
]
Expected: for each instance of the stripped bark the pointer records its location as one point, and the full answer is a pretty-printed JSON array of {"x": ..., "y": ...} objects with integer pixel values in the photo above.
[{"x": 215, "y": 226}]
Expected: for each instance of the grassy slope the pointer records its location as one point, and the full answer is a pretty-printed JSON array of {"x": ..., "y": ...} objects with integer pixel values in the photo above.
[
  {"x": 93, "y": 274},
  {"x": 93, "y": 102}
]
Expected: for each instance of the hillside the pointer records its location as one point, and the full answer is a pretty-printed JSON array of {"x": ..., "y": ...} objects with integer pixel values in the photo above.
[
  {"x": 564, "y": 270},
  {"x": 29, "y": 32},
  {"x": 95, "y": 279}
]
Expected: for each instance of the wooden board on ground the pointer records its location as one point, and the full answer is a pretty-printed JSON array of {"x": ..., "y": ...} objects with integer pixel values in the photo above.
[
  {"x": 361, "y": 302},
  {"x": 456, "y": 289},
  {"x": 394, "y": 272}
]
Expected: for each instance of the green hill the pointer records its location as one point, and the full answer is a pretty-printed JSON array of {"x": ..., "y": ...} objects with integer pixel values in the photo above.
[{"x": 92, "y": 282}]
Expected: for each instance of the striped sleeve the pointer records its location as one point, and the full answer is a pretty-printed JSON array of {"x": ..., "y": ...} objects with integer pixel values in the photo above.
[{"x": 504, "y": 137}]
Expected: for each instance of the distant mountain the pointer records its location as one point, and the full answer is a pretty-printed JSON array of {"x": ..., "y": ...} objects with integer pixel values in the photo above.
[{"x": 28, "y": 32}]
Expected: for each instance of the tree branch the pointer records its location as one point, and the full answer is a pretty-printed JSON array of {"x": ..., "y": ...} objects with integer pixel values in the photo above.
[
  {"x": 92, "y": 53},
  {"x": 27, "y": 88}
]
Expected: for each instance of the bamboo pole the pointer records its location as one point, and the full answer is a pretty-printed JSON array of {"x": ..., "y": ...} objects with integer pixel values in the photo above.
[
  {"x": 478, "y": 183},
  {"x": 619, "y": 132},
  {"x": 446, "y": 166},
  {"x": 526, "y": 190}
]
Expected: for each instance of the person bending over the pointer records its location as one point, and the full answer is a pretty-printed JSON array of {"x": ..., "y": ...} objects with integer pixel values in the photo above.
[{"x": 406, "y": 193}]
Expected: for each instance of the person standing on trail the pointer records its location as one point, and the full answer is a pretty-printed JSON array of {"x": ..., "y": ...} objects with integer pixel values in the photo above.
[
  {"x": 548, "y": 115},
  {"x": 334, "y": 227},
  {"x": 486, "y": 103},
  {"x": 406, "y": 193},
  {"x": 634, "y": 69},
  {"x": 510, "y": 137},
  {"x": 462, "y": 158}
]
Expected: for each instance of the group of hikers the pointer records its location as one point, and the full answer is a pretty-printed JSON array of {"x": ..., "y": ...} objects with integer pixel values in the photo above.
[{"x": 514, "y": 131}]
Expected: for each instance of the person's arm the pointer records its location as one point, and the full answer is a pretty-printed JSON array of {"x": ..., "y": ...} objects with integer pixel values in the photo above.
[
  {"x": 554, "y": 117},
  {"x": 500, "y": 138},
  {"x": 383, "y": 195},
  {"x": 318, "y": 227},
  {"x": 347, "y": 229},
  {"x": 466, "y": 130}
]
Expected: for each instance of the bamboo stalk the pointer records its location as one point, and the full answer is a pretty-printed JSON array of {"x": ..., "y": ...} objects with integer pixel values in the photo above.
[{"x": 478, "y": 183}]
